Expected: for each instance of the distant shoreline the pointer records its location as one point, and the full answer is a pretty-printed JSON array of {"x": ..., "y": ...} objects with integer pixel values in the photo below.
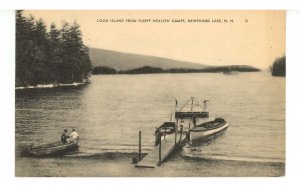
[{"x": 103, "y": 70}]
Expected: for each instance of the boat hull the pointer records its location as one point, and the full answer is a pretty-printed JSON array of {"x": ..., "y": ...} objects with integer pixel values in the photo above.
[
  {"x": 52, "y": 149},
  {"x": 202, "y": 134}
]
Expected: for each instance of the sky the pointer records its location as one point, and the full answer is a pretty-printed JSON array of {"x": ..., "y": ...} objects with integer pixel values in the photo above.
[{"x": 247, "y": 38}]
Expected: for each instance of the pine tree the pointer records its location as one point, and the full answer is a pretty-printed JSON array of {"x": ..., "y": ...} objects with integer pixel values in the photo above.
[
  {"x": 54, "y": 52},
  {"x": 76, "y": 53},
  {"x": 40, "y": 65},
  {"x": 24, "y": 46}
]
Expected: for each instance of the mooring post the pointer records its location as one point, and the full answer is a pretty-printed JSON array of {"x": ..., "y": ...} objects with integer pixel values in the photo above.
[
  {"x": 190, "y": 142},
  {"x": 159, "y": 155},
  {"x": 140, "y": 144},
  {"x": 176, "y": 127}
]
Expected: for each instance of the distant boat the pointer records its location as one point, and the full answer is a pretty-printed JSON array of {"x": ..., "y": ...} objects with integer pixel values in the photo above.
[
  {"x": 205, "y": 130},
  {"x": 50, "y": 149}
]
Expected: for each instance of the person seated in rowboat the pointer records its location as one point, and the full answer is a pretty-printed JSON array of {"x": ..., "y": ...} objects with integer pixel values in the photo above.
[
  {"x": 64, "y": 137},
  {"x": 74, "y": 136}
]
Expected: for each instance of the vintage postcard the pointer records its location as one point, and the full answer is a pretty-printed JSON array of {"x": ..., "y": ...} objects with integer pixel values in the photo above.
[{"x": 150, "y": 93}]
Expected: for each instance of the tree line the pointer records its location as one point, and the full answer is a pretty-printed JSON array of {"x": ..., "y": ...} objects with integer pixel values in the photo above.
[
  {"x": 149, "y": 69},
  {"x": 54, "y": 56}
]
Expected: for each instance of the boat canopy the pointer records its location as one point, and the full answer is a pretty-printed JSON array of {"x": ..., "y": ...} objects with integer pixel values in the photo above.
[
  {"x": 169, "y": 124},
  {"x": 191, "y": 113},
  {"x": 182, "y": 115}
]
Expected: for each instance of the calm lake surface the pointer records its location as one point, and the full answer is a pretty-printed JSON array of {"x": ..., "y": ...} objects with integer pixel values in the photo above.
[{"x": 109, "y": 112}]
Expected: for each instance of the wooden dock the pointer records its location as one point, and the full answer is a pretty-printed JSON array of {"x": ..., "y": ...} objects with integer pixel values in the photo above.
[{"x": 167, "y": 147}]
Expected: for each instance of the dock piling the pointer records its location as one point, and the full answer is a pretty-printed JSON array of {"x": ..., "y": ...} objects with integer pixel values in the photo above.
[
  {"x": 140, "y": 144},
  {"x": 159, "y": 151},
  {"x": 176, "y": 127}
]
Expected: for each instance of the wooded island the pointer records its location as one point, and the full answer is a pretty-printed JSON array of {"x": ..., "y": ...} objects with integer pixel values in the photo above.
[{"x": 57, "y": 56}]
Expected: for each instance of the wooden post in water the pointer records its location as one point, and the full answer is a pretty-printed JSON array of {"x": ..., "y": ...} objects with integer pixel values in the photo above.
[
  {"x": 188, "y": 136},
  {"x": 159, "y": 155},
  {"x": 140, "y": 144},
  {"x": 192, "y": 104},
  {"x": 181, "y": 130},
  {"x": 176, "y": 126},
  {"x": 176, "y": 120}
]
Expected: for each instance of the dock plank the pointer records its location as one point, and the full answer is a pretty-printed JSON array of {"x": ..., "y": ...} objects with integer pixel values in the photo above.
[{"x": 152, "y": 159}]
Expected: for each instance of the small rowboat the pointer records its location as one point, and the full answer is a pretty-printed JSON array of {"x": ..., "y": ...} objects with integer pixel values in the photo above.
[
  {"x": 205, "y": 130},
  {"x": 51, "y": 149},
  {"x": 165, "y": 129}
]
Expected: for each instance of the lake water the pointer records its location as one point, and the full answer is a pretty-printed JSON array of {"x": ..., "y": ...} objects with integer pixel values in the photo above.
[{"x": 109, "y": 112}]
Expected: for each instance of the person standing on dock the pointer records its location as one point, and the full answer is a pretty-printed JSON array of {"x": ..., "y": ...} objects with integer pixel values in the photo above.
[
  {"x": 194, "y": 120},
  {"x": 182, "y": 123}
]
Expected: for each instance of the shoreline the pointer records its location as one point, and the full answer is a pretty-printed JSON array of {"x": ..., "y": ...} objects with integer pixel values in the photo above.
[
  {"x": 122, "y": 166},
  {"x": 102, "y": 70},
  {"x": 44, "y": 86}
]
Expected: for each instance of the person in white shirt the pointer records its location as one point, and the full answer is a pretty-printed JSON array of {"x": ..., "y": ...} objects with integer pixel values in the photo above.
[
  {"x": 74, "y": 135},
  {"x": 182, "y": 123}
]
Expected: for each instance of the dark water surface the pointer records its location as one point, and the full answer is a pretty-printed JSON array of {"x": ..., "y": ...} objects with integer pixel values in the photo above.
[{"x": 110, "y": 111}]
